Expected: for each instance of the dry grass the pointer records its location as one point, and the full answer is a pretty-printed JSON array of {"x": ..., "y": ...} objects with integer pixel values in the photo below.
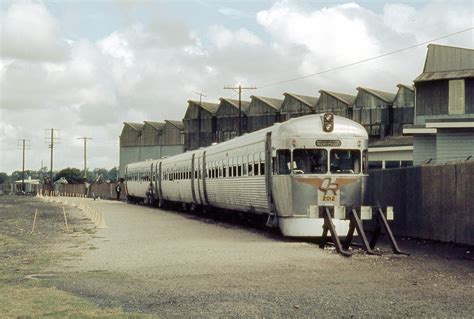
[{"x": 22, "y": 254}]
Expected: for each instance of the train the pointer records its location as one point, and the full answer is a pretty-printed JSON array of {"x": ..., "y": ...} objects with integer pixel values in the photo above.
[{"x": 285, "y": 174}]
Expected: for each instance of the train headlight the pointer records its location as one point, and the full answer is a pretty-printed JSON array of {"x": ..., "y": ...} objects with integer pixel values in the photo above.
[{"x": 328, "y": 122}]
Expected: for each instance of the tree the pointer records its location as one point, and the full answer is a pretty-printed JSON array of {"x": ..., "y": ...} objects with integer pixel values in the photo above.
[
  {"x": 112, "y": 175},
  {"x": 72, "y": 175},
  {"x": 3, "y": 178}
]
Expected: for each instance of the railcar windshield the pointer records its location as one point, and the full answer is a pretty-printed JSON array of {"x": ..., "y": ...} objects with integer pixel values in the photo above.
[
  {"x": 310, "y": 161},
  {"x": 345, "y": 161},
  {"x": 305, "y": 161}
]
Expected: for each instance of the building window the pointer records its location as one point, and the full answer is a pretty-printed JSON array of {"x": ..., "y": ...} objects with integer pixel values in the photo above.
[{"x": 456, "y": 97}]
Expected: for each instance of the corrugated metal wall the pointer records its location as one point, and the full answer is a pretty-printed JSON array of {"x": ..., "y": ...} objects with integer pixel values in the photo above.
[
  {"x": 454, "y": 145},
  {"x": 424, "y": 149}
]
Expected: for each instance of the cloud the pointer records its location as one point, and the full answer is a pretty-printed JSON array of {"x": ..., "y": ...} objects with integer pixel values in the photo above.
[
  {"x": 29, "y": 32},
  {"x": 147, "y": 70},
  {"x": 221, "y": 37}
]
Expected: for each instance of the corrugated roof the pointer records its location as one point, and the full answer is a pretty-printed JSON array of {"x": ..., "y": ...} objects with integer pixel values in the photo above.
[
  {"x": 274, "y": 103},
  {"x": 178, "y": 124},
  {"x": 308, "y": 100},
  {"x": 385, "y": 96},
  {"x": 344, "y": 98},
  {"x": 135, "y": 126},
  {"x": 235, "y": 103},
  {"x": 408, "y": 87},
  {"x": 208, "y": 106},
  {"x": 446, "y": 62},
  {"x": 431, "y": 76},
  {"x": 392, "y": 141},
  {"x": 157, "y": 125}
]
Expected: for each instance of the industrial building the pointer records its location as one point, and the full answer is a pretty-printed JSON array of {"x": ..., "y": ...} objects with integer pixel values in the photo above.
[
  {"x": 443, "y": 129},
  {"x": 150, "y": 140}
]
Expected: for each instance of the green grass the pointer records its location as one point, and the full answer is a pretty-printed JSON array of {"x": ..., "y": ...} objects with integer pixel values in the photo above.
[{"x": 18, "y": 301}]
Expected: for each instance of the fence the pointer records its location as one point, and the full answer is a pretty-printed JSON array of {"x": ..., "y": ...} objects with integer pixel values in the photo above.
[
  {"x": 433, "y": 202},
  {"x": 104, "y": 190}
]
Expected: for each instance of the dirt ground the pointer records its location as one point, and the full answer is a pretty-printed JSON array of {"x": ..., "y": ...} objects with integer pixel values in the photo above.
[{"x": 168, "y": 264}]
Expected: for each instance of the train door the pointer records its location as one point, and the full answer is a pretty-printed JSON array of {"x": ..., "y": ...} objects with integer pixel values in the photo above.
[
  {"x": 204, "y": 176},
  {"x": 159, "y": 183},
  {"x": 193, "y": 179},
  {"x": 126, "y": 178},
  {"x": 198, "y": 175}
]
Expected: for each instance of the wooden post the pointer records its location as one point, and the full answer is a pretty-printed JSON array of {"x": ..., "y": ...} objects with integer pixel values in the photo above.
[
  {"x": 65, "y": 219},
  {"x": 34, "y": 221}
]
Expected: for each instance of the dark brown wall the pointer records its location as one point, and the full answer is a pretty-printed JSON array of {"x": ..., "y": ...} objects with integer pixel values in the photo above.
[
  {"x": 432, "y": 97},
  {"x": 469, "y": 101},
  {"x": 432, "y": 202}
]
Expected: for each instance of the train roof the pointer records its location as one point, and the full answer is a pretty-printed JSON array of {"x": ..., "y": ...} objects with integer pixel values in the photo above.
[{"x": 312, "y": 125}]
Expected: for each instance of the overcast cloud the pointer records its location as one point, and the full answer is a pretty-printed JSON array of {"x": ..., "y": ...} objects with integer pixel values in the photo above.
[{"x": 148, "y": 68}]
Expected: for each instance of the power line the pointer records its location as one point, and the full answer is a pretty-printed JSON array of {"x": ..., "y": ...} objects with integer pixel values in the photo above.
[
  {"x": 85, "y": 153},
  {"x": 239, "y": 90},
  {"x": 201, "y": 95},
  {"x": 24, "y": 146},
  {"x": 364, "y": 60},
  {"x": 52, "y": 138}
]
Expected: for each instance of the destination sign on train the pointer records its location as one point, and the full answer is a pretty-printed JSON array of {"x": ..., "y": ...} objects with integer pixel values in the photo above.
[{"x": 327, "y": 143}]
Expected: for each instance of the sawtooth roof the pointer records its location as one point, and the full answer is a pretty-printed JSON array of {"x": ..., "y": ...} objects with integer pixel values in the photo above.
[
  {"x": 208, "y": 106},
  {"x": 235, "y": 103},
  {"x": 272, "y": 102},
  {"x": 408, "y": 87},
  {"x": 385, "y": 96},
  {"x": 308, "y": 100},
  {"x": 178, "y": 124},
  {"x": 135, "y": 126},
  {"x": 344, "y": 98},
  {"x": 157, "y": 125}
]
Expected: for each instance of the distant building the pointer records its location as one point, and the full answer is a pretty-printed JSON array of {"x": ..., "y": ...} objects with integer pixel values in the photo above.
[
  {"x": 151, "y": 140},
  {"x": 200, "y": 124},
  {"x": 228, "y": 119},
  {"x": 337, "y": 103},
  {"x": 403, "y": 109},
  {"x": 262, "y": 112},
  {"x": 444, "y": 118},
  {"x": 296, "y": 105},
  {"x": 372, "y": 109}
]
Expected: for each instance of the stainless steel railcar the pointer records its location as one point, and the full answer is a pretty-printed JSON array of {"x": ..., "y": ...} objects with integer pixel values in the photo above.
[{"x": 287, "y": 171}]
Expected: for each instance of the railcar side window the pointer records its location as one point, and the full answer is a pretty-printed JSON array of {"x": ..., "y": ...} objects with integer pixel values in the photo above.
[
  {"x": 345, "y": 161},
  {"x": 284, "y": 159},
  {"x": 310, "y": 161}
]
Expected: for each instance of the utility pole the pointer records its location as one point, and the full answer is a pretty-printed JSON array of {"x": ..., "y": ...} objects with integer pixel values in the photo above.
[
  {"x": 52, "y": 138},
  {"x": 85, "y": 154},
  {"x": 24, "y": 146},
  {"x": 199, "y": 116},
  {"x": 239, "y": 89}
]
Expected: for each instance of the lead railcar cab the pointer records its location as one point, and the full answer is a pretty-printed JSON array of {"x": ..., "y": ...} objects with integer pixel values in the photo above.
[
  {"x": 320, "y": 161},
  {"x": 288, "y": 171}
]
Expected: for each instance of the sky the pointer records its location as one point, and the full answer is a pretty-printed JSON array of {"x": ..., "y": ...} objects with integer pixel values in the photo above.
[{"x": 85, "y": 67}]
